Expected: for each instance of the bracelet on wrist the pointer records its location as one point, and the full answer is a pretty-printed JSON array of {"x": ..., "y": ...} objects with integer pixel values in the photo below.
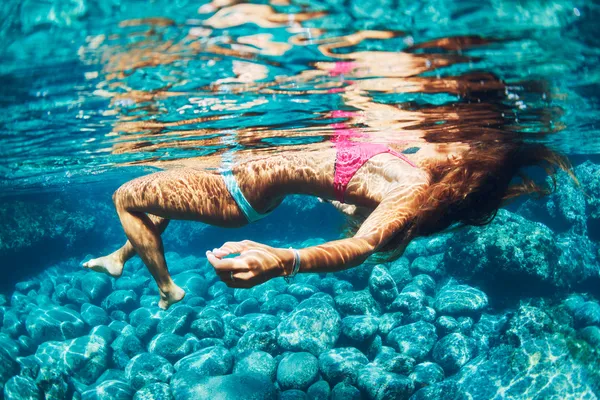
[{"x": 295, "y": 266}]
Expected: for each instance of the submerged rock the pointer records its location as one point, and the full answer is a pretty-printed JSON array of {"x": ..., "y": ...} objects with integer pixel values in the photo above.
[
  {"x": 84, "y": 358},
  {"x": 94, "y": 315},
  {"x": 452, "y": 352},
  {"x": 345, "y": 391},
  {"x": 109, "y": 390},
  {"x": 96, "y": 286},
  {"x": 187, "y": 385},
  {"x": 211, "y": 361},
  {"x": 426, "y": 374},
  {"x": 517, "y": 254},
  {"x": 19, "y": 388},
  {"x": 121, "y": 300},
  {"x": 460, "y": 299},
  {"x": 414, "y": 340},
  {"x": 319, "y": 390},
  {"x": 548, "y": 358},
  {"x": 257, "y": 362},
  {"x": 357, "y": 303},
  {"x": 313, "y": 326},
  {"x": 360, "y": 328},
  {"x": 170, "y": 346},
  {"x": 54, "y": 323},
  {"x": 341, "y": 364},
  {"x": 378, "y": 384},
  {"x": 154, "y": 391},
  {"x": 382, "y": 286},
  {"x": 147, "y": 368},
  {"x": 297, "y": 371}
]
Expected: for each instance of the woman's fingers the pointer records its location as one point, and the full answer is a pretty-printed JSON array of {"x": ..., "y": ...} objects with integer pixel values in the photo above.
[{"x": 226, "y": 264}]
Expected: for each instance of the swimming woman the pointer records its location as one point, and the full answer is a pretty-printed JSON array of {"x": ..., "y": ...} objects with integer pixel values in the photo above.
[{"x": 452, "y": 178}]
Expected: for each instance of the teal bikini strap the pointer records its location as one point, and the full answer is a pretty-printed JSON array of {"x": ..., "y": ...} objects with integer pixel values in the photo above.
[{"x": 245, "y": 207}]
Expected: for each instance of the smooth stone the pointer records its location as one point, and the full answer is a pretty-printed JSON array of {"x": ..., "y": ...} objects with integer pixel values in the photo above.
[
  {"x": 319, "y": 390},
  {"x": 382, "y": 286},
  {"x": 452, "y": 352},
  {"x": 28, "y": 366},
  {"x": 56, "y": 323},
  {"x": 591, "y": 334},
  {"x": 587, "y": 314},
  {"x": 409, "y": 301},
  {"x": 279, "y": 303},
  {"x": 257, "y": 341},
  {"x": 96, "y": 286},
  {"x": 378, "y": 384},
  {"x": 446, "y": 324},
  {"x": 255, "y": 322},
  {"x": 187, "y": 385},
  {"x": 430, "y": 265},
  {"x": 297, "y": 371},
  {"x": 178, "y": 320},
  {"x": 192, "y": 283},
  {"x": 357, "y": 303},
  {"x": 211, "y": 361},
  {"x": 426, "y": 314},
  {"x": 341, "y": 287},
  {"x": 125, "y": 347},
  {"x": 257, "y": 362},
  {"x": 345, "y": 391},
  {"x": 21, "y": 388},
  {"x": 154, "y": 391},
  {"x": 360, "y": 328},
  {"x": 147, "y": 368},
  {"x": 389, "y": 321},
  {"x": 301, "y": 291},
  {"x": 425, "y": 283},
  {"x": 414, "y": 340},
  {"x": 12, "y": 324},
  {"x": 460, "y": 299},
  {"x": 135, "y": 283},
  {"x": 84, "y": 358},
  {"x": 109, "y": 390},
  {"x": 170, "y": 346},
  {"x": 121, "y": 300},
  {"x": 426, "y": 373},
  {"x": 76, "y": 296},
  {"x": 400, "y": 271},
  {"x": 313, "y": 326},
  {"x": 94, "y": 315},
  {"x": 445, "y": 390},
  {"x": 247, "y": 306},
  {"x": 292, "y": 394},
  {"x": 341, "y": 364},
  {"x": 208, "y": 328},
  {"x": 388, "y": 360},
  {"x": 112, "y": 375}
]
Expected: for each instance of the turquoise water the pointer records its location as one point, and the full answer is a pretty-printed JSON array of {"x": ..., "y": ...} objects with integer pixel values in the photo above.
[{"x": 94, "y": 94}]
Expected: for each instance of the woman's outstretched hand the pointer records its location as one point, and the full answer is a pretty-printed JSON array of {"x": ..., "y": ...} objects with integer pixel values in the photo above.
[{"x": 255, "y": 264}]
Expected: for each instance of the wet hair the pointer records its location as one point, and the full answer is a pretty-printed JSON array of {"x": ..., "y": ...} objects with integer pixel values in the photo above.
[{"x": 468, "y": 191}]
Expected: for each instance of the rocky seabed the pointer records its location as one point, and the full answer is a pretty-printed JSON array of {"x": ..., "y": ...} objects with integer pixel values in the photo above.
[{"x": 425, "y": 326}]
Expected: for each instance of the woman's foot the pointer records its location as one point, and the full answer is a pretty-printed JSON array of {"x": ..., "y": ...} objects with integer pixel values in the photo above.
[
  {"x": 170, "y": 297},
  {"x": 110, "y": 265}
]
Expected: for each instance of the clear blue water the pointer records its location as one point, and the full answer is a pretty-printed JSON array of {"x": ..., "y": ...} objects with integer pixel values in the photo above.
[{"x": 94, "y": 93}]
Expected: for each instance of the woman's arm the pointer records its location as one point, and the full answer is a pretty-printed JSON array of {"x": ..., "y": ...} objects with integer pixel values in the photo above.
[
  {"x": 258, "y": 263},
  {"x": 384, "y": 223}
]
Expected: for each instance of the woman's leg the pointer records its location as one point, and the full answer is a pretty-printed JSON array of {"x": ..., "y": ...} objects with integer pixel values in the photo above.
[
  {"x": 177, "y": 194},
  {"x": 113, "y": 263}
]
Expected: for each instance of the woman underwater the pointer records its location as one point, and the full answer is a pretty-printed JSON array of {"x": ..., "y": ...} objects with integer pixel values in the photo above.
[
  {"x": 461, "y": 173},
  {"x": 452, "y": 178}
]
